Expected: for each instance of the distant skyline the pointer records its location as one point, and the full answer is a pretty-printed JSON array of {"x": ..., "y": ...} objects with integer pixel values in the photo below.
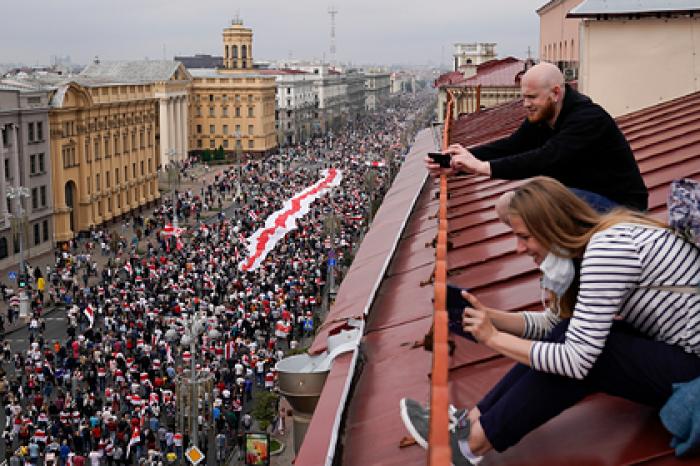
[{"x": 378, "y": 32}]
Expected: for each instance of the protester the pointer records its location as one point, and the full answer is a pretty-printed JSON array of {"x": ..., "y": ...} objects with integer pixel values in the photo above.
[{"x": 107, "y": 393}]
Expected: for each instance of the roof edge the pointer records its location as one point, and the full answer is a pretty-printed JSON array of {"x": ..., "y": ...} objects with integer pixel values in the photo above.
[{"x": 333, "y": 394}]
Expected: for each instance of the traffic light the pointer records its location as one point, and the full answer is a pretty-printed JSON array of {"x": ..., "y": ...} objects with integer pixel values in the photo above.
[{"x": 22, "y": 281}]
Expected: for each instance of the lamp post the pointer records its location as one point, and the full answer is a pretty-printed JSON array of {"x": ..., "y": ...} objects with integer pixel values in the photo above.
[
  {"x": 237, "y": 135},
  {"x": 194, "y": 327},
  {"x": 370, "y": 184},
  {"x": 18, "y": 223},
  {"x": 330, "y": 226}
]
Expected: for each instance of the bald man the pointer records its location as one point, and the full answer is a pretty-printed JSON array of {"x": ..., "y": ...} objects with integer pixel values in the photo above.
[{"x": 565, "y": 136}]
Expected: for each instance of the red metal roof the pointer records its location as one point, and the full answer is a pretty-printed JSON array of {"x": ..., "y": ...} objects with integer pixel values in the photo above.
[
  {"x": 601, "y": 430},
  {"x": 498, "y": 72}
]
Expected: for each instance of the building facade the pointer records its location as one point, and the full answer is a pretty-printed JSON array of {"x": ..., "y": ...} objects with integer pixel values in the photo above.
[
  {"x": 629, "y": 63},
  {"x": 473, "y": 53},
  {"x": 295, "y": 105},
  {"x": 559, "y": 36},
  {"x": 104, "y": 153},
  {"x": 26, "y": 163},
  {"x": 233, "y": 108},
  {"x": 377, "y": 88}
]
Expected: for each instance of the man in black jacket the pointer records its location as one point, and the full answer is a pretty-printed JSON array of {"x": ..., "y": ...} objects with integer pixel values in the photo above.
[{"x": 565, "y": 136}]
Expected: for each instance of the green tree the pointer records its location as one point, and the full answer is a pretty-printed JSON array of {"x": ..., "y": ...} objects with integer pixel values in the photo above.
[
  {"x": 206, "y": 156},
  {"x": 220, "y": 155},
  {"x": 265, "y": 408}
]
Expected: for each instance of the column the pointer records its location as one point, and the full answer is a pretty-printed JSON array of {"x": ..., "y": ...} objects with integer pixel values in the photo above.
[
  {"x": 177, "y": 141},
  {"x": 171, "y": 127},
  {"x": 184, "y": 128},
  {"x": 164, "y": 131},
  {"x": 15, "y": 154},
  {"x": 3, "y": 188}
]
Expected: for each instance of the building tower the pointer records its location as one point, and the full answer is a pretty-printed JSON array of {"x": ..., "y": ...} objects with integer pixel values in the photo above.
[
  {"x": 238, "y": 46},
  {"x": 332, "y": 11}
]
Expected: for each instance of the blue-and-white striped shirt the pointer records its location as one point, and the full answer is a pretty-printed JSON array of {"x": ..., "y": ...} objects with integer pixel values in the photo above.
[{"x": 619, "y": 265}]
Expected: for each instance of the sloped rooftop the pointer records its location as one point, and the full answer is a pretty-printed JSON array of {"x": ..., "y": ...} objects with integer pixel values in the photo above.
[
  {"x": 497, "y": 72},
  {"x": 135, "y": 71},
  {"x": 601, "y": 430}
]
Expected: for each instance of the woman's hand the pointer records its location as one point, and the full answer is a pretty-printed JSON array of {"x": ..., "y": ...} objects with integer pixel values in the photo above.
[{"x": 476, "y": 319}]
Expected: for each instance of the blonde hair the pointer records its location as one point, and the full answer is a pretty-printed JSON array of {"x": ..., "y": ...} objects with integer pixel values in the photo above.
[{"x": 562, "y": 222}]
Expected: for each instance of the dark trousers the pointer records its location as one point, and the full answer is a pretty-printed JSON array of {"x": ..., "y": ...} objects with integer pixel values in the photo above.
[{"x": 631, "y": 366}]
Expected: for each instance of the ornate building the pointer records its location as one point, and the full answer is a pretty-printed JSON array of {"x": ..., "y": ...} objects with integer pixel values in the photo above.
[{"x": 233, "y": 107}]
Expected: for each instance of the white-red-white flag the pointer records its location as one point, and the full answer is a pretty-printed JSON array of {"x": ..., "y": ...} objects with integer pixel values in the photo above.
[{"x": 90, "y": 314}]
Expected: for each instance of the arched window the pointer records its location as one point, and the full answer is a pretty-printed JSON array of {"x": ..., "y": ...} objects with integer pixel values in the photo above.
[{"x": 3, "y": 248}]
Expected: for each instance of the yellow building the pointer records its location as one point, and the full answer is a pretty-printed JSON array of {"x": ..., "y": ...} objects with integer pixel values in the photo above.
[
  {"x": 105, "y": 139},
  {"x": 233, "y": 107}
]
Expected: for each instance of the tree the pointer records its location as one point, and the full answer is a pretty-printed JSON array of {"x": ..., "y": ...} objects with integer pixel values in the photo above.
[
  {"x": 265, "y": 408},
  {"x": 206, "y": 156},
  {"x": 220, "y": 154}
]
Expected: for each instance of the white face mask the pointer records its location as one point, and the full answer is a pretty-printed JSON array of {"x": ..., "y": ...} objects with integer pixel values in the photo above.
[{"x": 558, "y": 274}]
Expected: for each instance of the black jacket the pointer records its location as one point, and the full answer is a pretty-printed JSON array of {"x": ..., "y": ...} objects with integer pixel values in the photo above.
[{"x": 584, "y": 150}]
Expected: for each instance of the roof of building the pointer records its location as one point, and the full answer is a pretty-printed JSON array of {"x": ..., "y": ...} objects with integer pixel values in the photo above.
[
  {"x": 497, "y": 72},
  {"x": 666, "y": 142},
  {"x": 130, "y": 72},
  {"x": 276, "y": 71},
  {"x": 595, "y": 8}
]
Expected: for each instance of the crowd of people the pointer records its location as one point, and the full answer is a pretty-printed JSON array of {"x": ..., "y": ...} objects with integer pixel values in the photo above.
[{"x": 108, "y": 392}]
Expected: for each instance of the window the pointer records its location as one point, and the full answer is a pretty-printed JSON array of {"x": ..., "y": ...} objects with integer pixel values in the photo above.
[
  {"x": 32, "y": 164},
  {"x": 142, "y": 172},
  {"x": 108, "y": 181},
  {"x": 3, "y": 248},
  {"x": 238, "y": 111},
  {"x": 211, "y": 111},
  {"x": 199, "y": 143},
  {"x": 211, "y": 97},
  {"x": 125, "y": 142},
  {"x": 35, "y": 198},
  {"x": 37, "y": 235},
  {"x": 225, "y": 143},
  {"x": 250, "y": 129},
  {"x": 42, "y": 191},
  {"x": 116, "y": 176},
  {"x": 106, "y": 140},
  {"x": 212, "y": 144},
  {"x": 212, "y": 129},
  {"x": 116, "y": 144},
  {"x": 30, "y": 132},
  {"x": 224, "y": 111},
  {"x": 251, "y": 144},
  {"x": 250, "y": 98},
  {"x": 39, "y": 130},
  {"x": 89, "y": 186},
  {"x": 225, "y": 129},
  {"x": 133, "y": 170},
  {"x": 133, "y": 140},
  {"x": 250, "y": 111},
  {"x": 199, "y": 129},
  {"x": 238, "y": 128},
  {"x": 142, "y": 140},
  {"x": 149, "y": 165},
  {"x": 97, "y": 182},
  {"x": 45, "y": 227},
  {"x": 198, "y": 111}
]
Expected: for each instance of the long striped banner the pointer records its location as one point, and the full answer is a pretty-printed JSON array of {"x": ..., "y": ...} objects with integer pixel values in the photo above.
[{"x": 284, "y": 220}]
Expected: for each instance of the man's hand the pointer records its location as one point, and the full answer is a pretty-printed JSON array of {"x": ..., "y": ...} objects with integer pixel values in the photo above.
[
  {"x": 435, "y": 169},
  {"x": 464, "y": 161}
]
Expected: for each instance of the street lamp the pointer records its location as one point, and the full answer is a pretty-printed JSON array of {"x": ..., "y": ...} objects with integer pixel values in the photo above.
[
  {"x": 194, "y": 327},
  {"x": 237, "y": 135},
  {"x": 18, "y": 224}
]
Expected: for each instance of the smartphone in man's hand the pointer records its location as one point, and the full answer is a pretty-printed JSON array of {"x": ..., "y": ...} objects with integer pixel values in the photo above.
[{"x": 440, "y": 158}]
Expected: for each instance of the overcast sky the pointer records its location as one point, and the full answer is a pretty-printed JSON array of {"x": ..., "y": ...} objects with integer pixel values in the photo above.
[{"x": 367, "y": 31}]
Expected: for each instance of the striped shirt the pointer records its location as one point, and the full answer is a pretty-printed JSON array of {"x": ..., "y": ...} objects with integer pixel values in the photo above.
[{"x": 619, "y": 266}]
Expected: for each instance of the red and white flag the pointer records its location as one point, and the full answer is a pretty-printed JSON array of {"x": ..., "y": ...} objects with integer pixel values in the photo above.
[
  {"x": 133, "y": 440},
  {"x": 375, "y": 163},
  {"x": 128, "y": 268},
  {"x": 229, "y": 349},
  {"x": 284, "y": 220},
  {"x": 90, "y": 314}
]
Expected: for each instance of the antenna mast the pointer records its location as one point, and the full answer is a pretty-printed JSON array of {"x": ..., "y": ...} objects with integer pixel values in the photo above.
[{"x": 332, "y": 11}]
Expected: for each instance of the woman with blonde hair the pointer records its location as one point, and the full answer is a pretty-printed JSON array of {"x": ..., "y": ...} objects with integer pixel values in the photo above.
[{"x": 622, "y": 317}]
